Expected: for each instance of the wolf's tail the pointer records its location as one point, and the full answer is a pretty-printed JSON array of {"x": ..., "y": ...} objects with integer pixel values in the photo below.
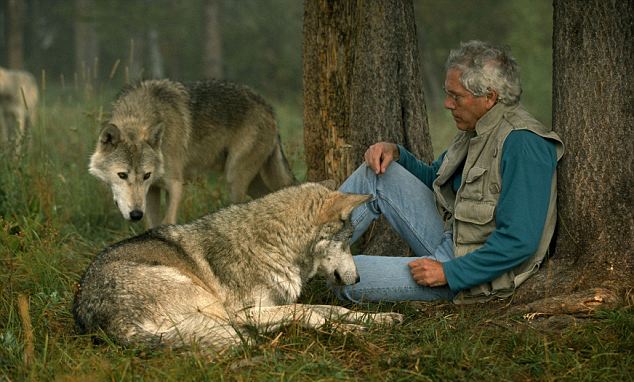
[{"x": 275, "y": 174}]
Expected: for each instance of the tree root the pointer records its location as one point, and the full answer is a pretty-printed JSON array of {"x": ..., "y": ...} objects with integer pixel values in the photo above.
[{"x": 579, "y": 303}]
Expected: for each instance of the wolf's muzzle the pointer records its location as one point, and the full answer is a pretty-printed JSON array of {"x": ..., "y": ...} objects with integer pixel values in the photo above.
[{"x": 340, "y": 281}]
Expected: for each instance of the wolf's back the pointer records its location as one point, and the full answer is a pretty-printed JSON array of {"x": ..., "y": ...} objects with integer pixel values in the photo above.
[
  {"x": 134, "y": 285},
  {"x": 147, "y": 290},
  {"x": 236, "y": 110}
]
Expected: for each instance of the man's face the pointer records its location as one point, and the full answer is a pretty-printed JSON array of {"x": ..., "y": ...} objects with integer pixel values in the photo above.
[{"x": 465, "y": 108}]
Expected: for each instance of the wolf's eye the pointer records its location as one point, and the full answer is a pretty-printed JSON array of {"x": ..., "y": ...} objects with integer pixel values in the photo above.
[
  {"x": 147, "y": 175},
  {"x": 122, "y": 175}
]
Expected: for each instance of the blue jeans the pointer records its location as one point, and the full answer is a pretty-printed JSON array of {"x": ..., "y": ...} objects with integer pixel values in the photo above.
[{"x": 409, "y": 207}]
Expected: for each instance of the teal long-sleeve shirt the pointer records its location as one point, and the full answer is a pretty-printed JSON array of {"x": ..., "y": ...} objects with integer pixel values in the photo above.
[{"x": 528, "y": 163}]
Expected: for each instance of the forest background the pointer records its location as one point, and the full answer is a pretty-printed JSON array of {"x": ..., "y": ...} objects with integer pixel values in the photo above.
[{"x": 100, "y": 45}]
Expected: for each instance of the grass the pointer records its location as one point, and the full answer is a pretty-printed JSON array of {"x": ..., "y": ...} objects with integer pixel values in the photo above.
[{"x": 54, "y": 217}]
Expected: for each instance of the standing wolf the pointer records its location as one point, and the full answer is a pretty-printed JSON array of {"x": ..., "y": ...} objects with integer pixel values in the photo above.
[
  {"x": 162, "y": 133},
  {"x": 209, "y": 281},
  {"x": 18, "y": 101}
]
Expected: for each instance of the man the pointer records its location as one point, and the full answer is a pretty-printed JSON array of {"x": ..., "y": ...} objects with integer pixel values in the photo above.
[{"x": 480, "y": 217}]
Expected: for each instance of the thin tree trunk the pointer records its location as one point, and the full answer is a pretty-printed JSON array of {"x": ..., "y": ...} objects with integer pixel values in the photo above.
[
  {"x": 156, "y": 58},
  {"x": 213, "y": 40},
  {"x": 86, "y": 47},
  {"x": 15, "y": 33},
  {"x": 136, "y": 58}
]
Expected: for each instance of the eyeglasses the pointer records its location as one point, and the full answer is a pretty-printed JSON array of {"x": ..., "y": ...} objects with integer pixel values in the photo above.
[{"x": 455, "y": 97}]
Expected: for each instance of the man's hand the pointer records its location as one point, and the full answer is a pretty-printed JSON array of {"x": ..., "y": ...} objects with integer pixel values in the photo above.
[
  {"x": 379, "y": 155},
  {"x": 427, "y": 272}
]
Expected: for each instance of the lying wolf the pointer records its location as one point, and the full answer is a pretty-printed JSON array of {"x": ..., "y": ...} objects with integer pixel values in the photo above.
[
  {"x": 162, "y": 133},
  {"x": 209, "y": 281},
  {"x": 18, "y": 101}
]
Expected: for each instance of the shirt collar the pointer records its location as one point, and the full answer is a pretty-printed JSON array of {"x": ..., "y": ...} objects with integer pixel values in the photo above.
[{"x": 492, "y": 117}]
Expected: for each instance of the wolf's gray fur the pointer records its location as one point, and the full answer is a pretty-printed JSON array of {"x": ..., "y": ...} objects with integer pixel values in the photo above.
[
  {"x": 244, "y": 266},
  {"x": 162, "y": 133},
  {"x": 18, "y": 103}
]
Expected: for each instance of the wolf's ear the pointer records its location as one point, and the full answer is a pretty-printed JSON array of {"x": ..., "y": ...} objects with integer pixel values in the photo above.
[
  {"x": 339, "y": 205},
  {"x": 155, "y": 135},
  {"x": 110, "y": 136}
]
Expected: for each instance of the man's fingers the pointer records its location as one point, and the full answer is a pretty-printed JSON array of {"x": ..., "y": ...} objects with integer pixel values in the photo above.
[
  {"x": 378, "y": 157},
  {"x": 374, "y": 164},
  {"x": 427, "y": 272},
  {"x": 416, "y": 263},
  {"x": 385, "y": 161}
]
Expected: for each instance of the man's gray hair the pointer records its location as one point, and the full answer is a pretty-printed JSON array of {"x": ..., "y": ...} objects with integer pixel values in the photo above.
[{"x": 486, "y": 67}]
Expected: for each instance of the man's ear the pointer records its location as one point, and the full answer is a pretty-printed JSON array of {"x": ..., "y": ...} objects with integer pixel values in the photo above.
[
  {"x": 339, "y": 206},
  {"x": 155, "y": 135},
  {"x": 109, "y": 137},
  {"x": 491, "y": 99}
]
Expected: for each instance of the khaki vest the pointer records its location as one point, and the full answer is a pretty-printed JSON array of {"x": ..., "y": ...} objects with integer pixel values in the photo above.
[{"x": 470, "y": 212}]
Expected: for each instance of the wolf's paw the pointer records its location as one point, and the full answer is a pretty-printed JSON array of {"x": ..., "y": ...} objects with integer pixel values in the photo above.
[
  {"x": 389, "y": 318},
  {"x": 348, "y": 328}
]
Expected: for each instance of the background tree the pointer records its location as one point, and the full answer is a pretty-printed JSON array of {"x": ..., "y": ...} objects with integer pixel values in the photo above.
[
  {"x": 86, "y": 45},
  {"x": 15, "y": 33},
  {"x": 361, "y": 85},
  {"x": 213, "y": 40},
  {"x": 592, "y": 111},
  {"x": 155, "y": 55}
]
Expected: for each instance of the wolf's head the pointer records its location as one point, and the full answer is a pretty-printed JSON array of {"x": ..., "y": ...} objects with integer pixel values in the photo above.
[
  {"x": 333, "y": 258},
  {"x": 129, "y": 161}
]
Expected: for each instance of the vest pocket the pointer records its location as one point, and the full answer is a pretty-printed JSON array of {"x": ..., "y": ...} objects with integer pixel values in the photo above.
[
  {"x": 476, "y": 213},
  {"x": 474, "y": 222},
  {"x": 473, "y": 187}
]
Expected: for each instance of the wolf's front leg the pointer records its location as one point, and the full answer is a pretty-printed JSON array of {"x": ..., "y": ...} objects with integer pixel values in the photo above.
[
  {"x": 153, "y": 207},
  {"x": 341, "y": 314},
  {"x": 314, "y": 316},
  {"x": 175, "y": 192}
]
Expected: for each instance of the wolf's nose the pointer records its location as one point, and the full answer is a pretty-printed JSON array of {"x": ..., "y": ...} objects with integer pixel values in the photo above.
[
  {"x": 356, "y": 280},
  {"x": 338, "y": 278},
  {"x": 136, "y": 215}
]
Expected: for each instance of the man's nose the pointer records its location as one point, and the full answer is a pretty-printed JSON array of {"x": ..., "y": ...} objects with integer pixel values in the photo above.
[{"x": 449, "y": 103}]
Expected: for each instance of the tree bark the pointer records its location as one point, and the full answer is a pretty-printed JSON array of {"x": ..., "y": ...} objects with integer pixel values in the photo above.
[
  {"x": 213, "y": 40},
  {"x": 592, "y": 112},
  {"x": 361, "y": 85},
  {"x": 15, "y": 33}
]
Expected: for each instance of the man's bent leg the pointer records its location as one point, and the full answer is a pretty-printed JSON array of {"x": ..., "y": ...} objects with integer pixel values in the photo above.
[
  {"x": 409, "y": 206},
  {"x": 406, "y": 202}
]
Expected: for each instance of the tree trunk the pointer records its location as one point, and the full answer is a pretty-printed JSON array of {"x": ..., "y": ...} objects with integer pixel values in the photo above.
[
  {"x": 361, "y": 85},
  {"x": 213, "y": 40},
  {"x": 136, "y": 58},
  {"x": 156, "y": 58},
  {"x": 86, "y": 47},
  {"x": 592, "y": 112},
  {"x": 15, "y": 33}
]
